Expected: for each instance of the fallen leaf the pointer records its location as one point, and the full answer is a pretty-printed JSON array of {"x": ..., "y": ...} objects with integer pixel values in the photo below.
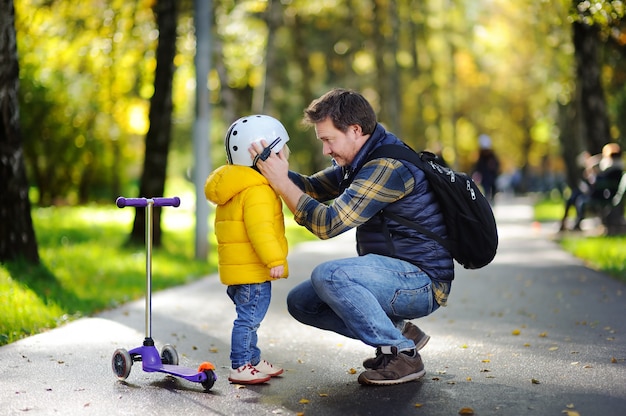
[
  {"x": 466, "y": 411},
  {"x": 486, "y": 361},
  {"x": 468, "y": 379},
  {"x": 323, "y": 394},
  {"x": 553, "y": 348},
  {"x": 418, "y": 405},
  {"x": 304, "y": 401},
  {"x": 571, "y": 412},
  {"x": 352, "y": 371},
  {"x": 543, "y": 334},
  {"x": 300, "y": 414},
  {"x": 516, "y": 332},
  {"x": 613, "y": 360},
  {"x": 213, "y": 349},
  {"x": 534, "y": 381}
]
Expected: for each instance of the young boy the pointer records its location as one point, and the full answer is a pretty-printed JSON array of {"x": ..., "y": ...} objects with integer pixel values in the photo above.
[{"x": 252, "y": 248}]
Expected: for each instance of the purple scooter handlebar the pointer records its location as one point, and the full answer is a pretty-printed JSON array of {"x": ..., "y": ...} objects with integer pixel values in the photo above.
[{"x": 122, "y": 202}]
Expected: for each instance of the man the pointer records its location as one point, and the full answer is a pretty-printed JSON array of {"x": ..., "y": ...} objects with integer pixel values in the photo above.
[{"x": 399, "y": 274}]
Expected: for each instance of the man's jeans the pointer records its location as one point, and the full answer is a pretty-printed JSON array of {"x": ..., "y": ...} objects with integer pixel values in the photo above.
[
  {"x": 251, "y": 303},
  {"x": 366, "y": 298}
]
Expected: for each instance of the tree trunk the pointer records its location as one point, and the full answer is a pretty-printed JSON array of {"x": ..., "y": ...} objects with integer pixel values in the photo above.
[
  {"x": 17, "y": 236},
  {"x": 590, "y": 94},
  {"x": 159, "y": 134}
]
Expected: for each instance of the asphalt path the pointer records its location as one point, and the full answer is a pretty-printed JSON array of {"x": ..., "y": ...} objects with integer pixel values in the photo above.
[{"x": 533, "y": 333}]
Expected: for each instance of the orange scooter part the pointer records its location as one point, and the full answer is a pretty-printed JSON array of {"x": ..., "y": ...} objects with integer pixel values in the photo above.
[{"x": 205, "y": 366}]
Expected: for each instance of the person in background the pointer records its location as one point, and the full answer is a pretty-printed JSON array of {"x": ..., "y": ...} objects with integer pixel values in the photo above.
[
  {"x": 487, "y": 168},
  {"x": 399, "y": 274},
  {"x": 603, "y": 182},
  {"x": 588, "y": 165},
  {"x": 252, "y": 248}
]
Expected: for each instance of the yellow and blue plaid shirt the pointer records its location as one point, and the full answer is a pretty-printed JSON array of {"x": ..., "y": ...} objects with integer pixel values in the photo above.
[{"x": 379, "y": 183}]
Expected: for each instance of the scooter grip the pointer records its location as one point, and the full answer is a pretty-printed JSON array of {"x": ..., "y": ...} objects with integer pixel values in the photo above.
[
  {"x": 166, "y": 202},
  {"x": 122, "y": 202}
]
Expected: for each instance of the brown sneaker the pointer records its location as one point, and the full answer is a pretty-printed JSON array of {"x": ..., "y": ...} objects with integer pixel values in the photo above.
[
  {"x": 410, "y": 331},
  {"x": 394, "y": 368}
]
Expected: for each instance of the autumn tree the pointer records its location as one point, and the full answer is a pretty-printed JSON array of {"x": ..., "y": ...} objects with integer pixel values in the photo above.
[
  {"x": 17, "y": 236},
  {"x": 159, "y": 134}
]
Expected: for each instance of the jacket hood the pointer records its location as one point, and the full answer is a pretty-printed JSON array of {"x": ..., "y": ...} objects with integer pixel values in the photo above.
[{"x": 227, "y": 181}]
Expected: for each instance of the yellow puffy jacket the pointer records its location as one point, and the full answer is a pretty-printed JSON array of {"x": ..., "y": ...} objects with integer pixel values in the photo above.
[{"x": 249, "y": 225}]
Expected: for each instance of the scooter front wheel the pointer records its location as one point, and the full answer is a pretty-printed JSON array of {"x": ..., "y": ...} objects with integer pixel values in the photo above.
[
  {"x": 210, "y": 380},
  {"x": 169, "y": 355},
  {"x": 121, "y": 363}
]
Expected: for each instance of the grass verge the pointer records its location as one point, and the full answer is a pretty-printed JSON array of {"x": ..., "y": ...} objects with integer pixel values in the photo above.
[{"x": 603, "y": 253}]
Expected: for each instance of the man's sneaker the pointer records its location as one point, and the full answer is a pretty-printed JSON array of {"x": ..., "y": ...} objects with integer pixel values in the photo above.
[
  {"x": 394, "y": 368},
  {"x": 247, "y": 374},
  {"x": 410, "y": 331},
  {"x": 269, "y": 369}
]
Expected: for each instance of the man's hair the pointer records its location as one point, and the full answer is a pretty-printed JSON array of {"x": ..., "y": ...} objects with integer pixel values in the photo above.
[{"x": 345, "y": 108}]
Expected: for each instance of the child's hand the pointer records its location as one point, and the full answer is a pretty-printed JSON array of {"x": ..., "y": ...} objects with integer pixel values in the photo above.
[{"x": 276, "y": 272}]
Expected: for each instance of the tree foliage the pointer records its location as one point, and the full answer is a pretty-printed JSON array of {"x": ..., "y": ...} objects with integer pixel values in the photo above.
[{"x": 438, "y": 73}]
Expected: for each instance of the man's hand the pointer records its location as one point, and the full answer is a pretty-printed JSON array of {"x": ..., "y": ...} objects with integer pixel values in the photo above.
[{"x": 276, "y": 170}]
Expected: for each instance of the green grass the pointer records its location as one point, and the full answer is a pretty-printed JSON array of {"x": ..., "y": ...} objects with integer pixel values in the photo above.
[
  {"x": 604, "y": 253},
  {"x": 86, "y": 266}
]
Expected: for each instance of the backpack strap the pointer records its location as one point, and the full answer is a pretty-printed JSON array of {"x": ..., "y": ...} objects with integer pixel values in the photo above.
[{"x": 404, "y": 152}]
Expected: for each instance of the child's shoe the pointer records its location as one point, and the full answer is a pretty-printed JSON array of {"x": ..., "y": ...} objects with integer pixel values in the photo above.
[
  {"x": 247, "y": 374},
  {"x": 269, "y": 369}
]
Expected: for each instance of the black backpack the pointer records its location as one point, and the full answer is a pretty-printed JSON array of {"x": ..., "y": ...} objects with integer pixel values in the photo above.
[{"x": 472, "y": 232}]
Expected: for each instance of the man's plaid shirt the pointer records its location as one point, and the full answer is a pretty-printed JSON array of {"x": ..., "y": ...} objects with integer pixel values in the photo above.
[{"x": 378, "y": 183}]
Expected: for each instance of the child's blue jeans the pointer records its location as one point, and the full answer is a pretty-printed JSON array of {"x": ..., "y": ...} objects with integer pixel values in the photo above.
[{"x": 251, "y": 303}]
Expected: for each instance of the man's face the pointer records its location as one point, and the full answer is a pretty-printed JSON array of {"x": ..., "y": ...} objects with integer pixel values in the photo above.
[{"x": 342, "y": 147}]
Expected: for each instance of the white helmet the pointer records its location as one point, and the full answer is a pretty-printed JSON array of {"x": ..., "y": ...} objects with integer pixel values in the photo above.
[{"x": 250, "y": 129}]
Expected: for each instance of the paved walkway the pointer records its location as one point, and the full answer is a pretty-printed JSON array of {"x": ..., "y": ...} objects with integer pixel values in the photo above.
[{"x": 534, "y": 333}]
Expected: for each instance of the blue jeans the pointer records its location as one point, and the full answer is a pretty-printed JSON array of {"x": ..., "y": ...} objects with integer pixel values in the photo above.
[
  {"x": 251, "y": 304},
  {"x": 366, "y": 298}
]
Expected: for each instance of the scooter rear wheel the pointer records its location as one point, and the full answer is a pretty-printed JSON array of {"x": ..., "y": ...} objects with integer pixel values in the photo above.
[
  {"x": 169, "y": 355},
  {"x": 121, "y": 363}
]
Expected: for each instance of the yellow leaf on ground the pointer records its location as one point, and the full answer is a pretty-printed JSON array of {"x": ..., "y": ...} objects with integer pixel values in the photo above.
[
  {"x": 516, "y": 332},
  {"x": 304, "y": 401},
  {"x": 466, "y": 411},
  {"x": 352, "y": 371},
  {"x": 418, "y": 405}
]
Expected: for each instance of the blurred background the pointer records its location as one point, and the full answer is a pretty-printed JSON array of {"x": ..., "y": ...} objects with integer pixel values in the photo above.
[{"x": 439, "y": 73}]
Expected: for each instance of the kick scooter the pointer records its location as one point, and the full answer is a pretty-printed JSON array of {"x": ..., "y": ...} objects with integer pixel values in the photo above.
[{"x": 149, "y": 356}]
